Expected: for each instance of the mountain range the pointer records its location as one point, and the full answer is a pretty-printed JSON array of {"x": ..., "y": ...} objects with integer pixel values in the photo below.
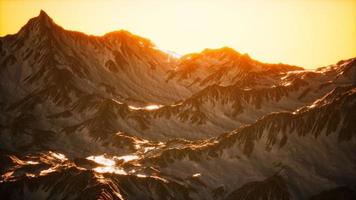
[{"x": 115, "y": 117}]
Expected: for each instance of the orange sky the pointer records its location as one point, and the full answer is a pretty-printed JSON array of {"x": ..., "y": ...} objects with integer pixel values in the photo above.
[{"x": 309, "y": 33}]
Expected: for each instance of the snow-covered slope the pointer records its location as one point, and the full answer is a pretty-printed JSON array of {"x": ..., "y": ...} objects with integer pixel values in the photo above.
[
  {"x": 306, "y": 152},
  {"x": 214, "y": 109},
  {"x": 290, "y": 155},
  {"x": 118, "y": 64},
  {"x": 224, "y": 66},
  {"x": 114, "y": 117}
]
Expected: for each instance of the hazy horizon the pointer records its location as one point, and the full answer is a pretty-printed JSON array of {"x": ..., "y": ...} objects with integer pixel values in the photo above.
[{"x": 309, "y": 34}]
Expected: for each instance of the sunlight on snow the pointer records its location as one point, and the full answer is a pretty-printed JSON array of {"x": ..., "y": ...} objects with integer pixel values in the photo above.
[
  {"x": 59, "y": 156},
  {"x": 47, "y": 171},
  {"x": 102, "y": 160},
  {"x": 197, "y": 175},
  {"x": 127, "y": 158},
  {"x": 109, "y": 164},
  {"x": 110, "y": 169},
  {"x": 149, "y": 107}
]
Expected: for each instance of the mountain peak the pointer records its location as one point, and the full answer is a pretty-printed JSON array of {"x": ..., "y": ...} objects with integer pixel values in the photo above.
[
  {"x": 44, "y": 19},
  {"x": 225, "y": 50},
  {"x": 42, "y": 22},
  {"x": 43, "y": 14}
]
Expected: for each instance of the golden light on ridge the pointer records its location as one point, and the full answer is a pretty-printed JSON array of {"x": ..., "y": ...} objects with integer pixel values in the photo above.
[{"x": 301, "y": 32}]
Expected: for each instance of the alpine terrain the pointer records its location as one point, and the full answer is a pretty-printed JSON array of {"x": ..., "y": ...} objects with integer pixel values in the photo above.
[{"x": 115, "y": 117}]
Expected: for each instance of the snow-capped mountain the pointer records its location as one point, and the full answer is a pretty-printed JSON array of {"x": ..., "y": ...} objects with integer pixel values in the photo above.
[
  {"x": 114, "y": 117},
  {"x": 42, "y": 52},
  {"x": 225, "y": 66}
]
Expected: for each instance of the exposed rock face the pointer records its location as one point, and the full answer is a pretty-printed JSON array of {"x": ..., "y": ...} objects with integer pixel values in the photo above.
[
  {"x": 271, "y": 188},
  {"x": 113, "y": 117}
]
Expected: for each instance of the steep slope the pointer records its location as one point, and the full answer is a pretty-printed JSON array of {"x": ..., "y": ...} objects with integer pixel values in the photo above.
[
  {"x": 225, "y": 67},
  {"x": 119, "y": 64},
  {"x": 46, "y": 70},
  {"x": 217, "y": 108},
  {"x": 281, "y": 156},
  {"x": 113, "y": 117},
  {"x": 311, "y": 150},
  {"x": 64, "y": 83}
]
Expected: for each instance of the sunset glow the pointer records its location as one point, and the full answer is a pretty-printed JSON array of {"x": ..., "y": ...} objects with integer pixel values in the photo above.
[{"x": 301, "y": 32}]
